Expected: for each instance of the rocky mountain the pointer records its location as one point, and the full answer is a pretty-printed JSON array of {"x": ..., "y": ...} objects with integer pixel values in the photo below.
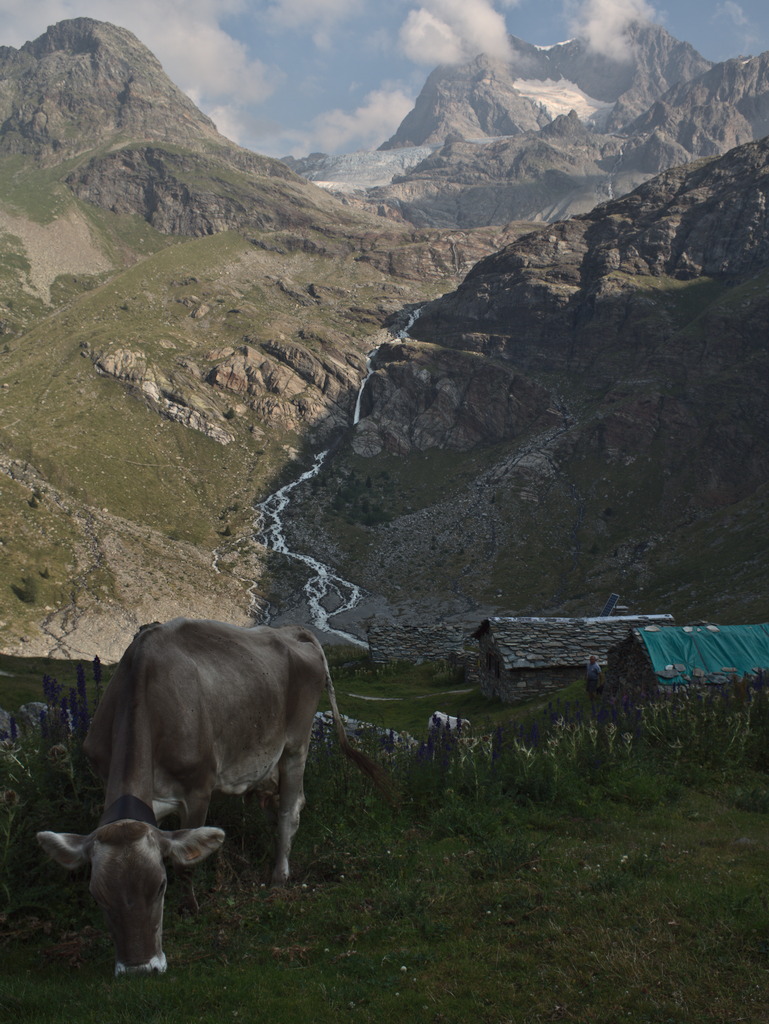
[
  {"x": 579, "y": 409},
  {"x": 556, "y": 130},
  {"x": 549, "y": 299},
  {"x": 84, "y": 82},
  {"x": 486, "y": 98},
  {"x": 564, "y": 169},
  {"x": 179, "y": 319},
  {"x": 602, "y": 384},
  {"x": 91, "y": 91}
]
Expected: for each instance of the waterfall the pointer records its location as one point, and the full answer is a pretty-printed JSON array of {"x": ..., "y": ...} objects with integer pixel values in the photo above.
[{"x": 322, "y": 581}]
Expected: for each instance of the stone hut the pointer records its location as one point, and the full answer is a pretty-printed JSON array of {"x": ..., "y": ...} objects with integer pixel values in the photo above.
[
  {"x": 658, "y": 657},
  {"x": 520, "y": 658}
]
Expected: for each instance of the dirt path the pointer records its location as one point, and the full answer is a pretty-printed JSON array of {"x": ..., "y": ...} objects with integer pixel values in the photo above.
[{"x": 421, "y": 696}]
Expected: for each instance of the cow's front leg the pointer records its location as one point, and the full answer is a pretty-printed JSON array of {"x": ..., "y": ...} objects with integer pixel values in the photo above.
[{"x": 193, "y": 815}]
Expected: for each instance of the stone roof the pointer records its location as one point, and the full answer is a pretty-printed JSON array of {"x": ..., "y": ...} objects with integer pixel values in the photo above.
[{"x": 526, "y": 643}]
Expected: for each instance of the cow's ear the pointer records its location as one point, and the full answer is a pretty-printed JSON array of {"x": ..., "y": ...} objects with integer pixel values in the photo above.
[
  {"x": 66, "y": 848},
  {"x": 187, "y": 846}
]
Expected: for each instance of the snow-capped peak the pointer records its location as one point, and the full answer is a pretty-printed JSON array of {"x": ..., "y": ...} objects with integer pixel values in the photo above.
[{"x": 559, "y": 97}]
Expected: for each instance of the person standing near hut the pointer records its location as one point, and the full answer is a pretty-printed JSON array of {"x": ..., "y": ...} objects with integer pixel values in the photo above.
[{"x": 594, "y": 678}]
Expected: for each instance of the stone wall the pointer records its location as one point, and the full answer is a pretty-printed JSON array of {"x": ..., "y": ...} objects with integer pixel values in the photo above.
[
  {"x": 390, "y": 642},
  {"x": 512, "y": 687},
  {"x": 629, "y": 668}
]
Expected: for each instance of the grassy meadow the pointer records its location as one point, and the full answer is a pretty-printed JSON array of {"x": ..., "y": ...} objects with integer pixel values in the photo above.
[{"x": 556, "y": 863}]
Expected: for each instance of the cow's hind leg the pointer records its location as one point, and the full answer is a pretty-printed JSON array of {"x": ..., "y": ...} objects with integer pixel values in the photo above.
[{"x": 290, "y": 804}]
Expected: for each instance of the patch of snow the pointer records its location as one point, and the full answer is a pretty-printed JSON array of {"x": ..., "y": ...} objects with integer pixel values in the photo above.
[
  {"x": 347, "y": 187},
  {"x": 552, "y": 46},
  {"x": 560, "y": 97},
  {"x": 350, "y": 171}
]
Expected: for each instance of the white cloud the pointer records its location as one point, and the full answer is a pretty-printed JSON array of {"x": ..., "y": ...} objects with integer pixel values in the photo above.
[
  {"x": 737, "y": 25},
  {"x": 299, "y": 13},
  {"x": 733, "y": 12},
  {"x": 603, "y": 23},
  {"x": 450, "y": 31},
  {"x": 316, "y": 17},
  {"x": 427, "y": 39},
  {"x": 376, "y": 119}
]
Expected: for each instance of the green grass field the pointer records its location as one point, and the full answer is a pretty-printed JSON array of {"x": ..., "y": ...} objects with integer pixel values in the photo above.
[{"x": 552, "y": 866}]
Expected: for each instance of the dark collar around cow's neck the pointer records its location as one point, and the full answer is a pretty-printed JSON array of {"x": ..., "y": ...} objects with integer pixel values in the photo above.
[{"x": 128, "y": 806}]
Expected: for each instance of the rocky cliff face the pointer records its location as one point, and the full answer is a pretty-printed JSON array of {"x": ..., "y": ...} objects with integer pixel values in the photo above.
[
  {"x": 184, "y": 194},
  {"x": 550, "y": 299},
  {"x": 288, "y": 385},
  {"x": 423, "y": 397},
  {"x": 616, "y": 430},
  {"x": 636, "y": 305},
  {"x": 710, "y": 114}
]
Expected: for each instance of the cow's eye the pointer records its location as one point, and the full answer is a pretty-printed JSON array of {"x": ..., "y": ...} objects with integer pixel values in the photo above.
[{"x": 162, "y": 889}]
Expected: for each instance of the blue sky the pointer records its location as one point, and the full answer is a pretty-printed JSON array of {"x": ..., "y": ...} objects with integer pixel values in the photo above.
[{"x": 299, "y": 76}]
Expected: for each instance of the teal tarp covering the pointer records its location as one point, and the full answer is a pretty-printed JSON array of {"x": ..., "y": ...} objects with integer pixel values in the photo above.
[{"x": 676, "y": 651}]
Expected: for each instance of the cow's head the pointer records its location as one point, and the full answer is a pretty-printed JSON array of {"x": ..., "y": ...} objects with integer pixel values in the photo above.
[{"x": 128, "y": 880}]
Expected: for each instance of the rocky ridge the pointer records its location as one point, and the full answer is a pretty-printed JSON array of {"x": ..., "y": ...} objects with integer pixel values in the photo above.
[
  {"x": 487, "y": 98},
  {"x": 506, "y": 146},
  {"x": 707, "y": 221}
]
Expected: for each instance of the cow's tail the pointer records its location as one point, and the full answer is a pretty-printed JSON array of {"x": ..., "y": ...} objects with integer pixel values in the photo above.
[{"x": 375, "y": 772}]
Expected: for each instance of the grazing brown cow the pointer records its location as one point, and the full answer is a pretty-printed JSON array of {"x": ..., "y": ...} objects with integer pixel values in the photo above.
[{"x": 194, "y": 708}]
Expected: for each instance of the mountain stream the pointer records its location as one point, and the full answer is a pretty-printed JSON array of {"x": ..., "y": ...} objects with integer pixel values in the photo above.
[{"x": 324, "y": 586}]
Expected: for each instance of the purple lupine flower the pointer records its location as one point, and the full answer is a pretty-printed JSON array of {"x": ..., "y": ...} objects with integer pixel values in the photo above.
[
  {"x": 79, "y": 704},
  {"x": 96, "y": 668},
  {"x": 534, "y": 735},
  {"x": 81, "y": 690},
  {"x": 65, "y": 705},
  {"x": 51, "y": 690},
  {"x": 496, "y": 744}
]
